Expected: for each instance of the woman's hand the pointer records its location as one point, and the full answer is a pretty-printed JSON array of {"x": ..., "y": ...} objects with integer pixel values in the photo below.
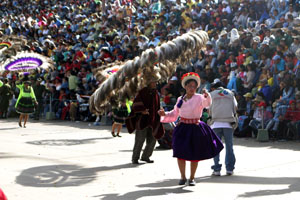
[
  {"x": 205, "y": 93},
  {"x": 161, "y": 112}
]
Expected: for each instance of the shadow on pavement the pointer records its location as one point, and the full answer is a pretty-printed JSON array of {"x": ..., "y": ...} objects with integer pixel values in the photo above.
[
  {"x": 67, "y": 142},
  {"x": 251, "y": 142},
  {"x": 63, "y": 175},
  {"x": 5, "y": 129},
  {"x": 293, "y": 184},
  {"x": 77, "y": 124},
  {"x": 143, "y": 193}
]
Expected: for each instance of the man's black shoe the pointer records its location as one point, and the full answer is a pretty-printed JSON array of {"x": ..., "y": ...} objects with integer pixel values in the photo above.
[
  {"x": 148, "y": 160},
  {"x": 136, "y": 162}
]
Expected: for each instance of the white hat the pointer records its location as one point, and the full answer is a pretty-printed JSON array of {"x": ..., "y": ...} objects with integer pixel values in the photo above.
[
  {"x": 203, "y": 11},
  {"x": 276, "y": 57},
  {"x": 224, "y": 2},
  {"x": 223, "y": 32},
  {"x": 174, "y": 78},
  {"x": 211, "y": 53},
  {"x": 234, "y": 35},
  {"x": 216, "y": 81}
]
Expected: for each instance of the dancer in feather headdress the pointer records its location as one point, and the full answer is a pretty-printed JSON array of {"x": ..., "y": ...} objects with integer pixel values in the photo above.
[
  {"x": 25, "y": 62},
  {"x": 26, "y": 101}
]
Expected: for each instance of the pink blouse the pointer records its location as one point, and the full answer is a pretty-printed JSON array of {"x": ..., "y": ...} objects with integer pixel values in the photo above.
[{"x": 190, "y": 109}]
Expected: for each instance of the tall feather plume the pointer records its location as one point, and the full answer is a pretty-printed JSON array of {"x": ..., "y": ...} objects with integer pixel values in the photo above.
[{"x": 137, "y": 73}]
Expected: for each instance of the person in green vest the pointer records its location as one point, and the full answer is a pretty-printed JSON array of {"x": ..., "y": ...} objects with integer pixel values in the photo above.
[{"x": 26, "y": 102}]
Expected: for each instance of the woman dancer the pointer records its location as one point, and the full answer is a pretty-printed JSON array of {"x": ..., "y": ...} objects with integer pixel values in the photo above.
[
  {"x": 26, "y": 102},
  {"x": 193, "y": 140}
]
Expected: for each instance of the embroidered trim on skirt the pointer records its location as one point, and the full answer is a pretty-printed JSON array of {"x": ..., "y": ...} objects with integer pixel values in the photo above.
[
  {"x": 195, "y": 142},
  {"x": 25, "y": 106}
]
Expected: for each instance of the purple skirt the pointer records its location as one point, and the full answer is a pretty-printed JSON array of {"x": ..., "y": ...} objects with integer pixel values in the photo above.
[{"x": 195, "y": 142}]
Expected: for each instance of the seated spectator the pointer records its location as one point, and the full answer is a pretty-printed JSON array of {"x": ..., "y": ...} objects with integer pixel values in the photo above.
[
  {"x": 294, "y": 124},
  {"x": 260, "y": 113},
  {"x": 266, "y": 90},
  {"x": 278, "y": 65},
  {"x": 248, "y": 83},
  {"x": 288, "y": 120}
]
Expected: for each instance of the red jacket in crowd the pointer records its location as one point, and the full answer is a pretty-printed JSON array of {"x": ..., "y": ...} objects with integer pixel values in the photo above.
[{"x": 292, "y": 115}]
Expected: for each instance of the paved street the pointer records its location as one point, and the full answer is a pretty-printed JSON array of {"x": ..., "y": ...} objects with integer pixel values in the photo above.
[{"x": 74, "y": 161}]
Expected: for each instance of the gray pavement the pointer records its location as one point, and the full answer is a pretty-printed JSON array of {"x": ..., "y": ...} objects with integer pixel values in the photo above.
[{"x": 74, "y": 161}]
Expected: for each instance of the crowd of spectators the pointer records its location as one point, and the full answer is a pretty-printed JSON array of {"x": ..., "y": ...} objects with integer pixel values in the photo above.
[{"x": 252, "y": 51}]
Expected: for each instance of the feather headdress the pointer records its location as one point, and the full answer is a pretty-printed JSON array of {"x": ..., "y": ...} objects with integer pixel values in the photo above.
[
  {"x": 135, "y": 74},
  {"x": 26, "y": 61}
]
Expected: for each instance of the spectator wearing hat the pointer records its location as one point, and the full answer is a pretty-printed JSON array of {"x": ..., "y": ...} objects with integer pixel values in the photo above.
[
  {"x": 278, "y": 65},
  {"x": 209, "y": 48},
  {"x": 145, "y": 121},
  {"x": 296, "y": 44},
  {"x": 223, "y": 41},
  {"x": 248, "y": 108},
  {"x": 245, "y": 114},
  {"x": 260, "y": 113}
]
